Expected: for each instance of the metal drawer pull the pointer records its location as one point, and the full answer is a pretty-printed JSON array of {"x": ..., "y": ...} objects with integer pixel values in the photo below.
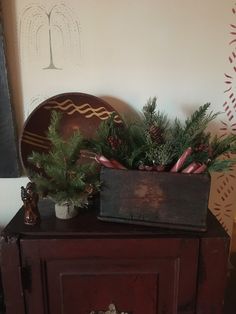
[{"x": 111, "y": 310}]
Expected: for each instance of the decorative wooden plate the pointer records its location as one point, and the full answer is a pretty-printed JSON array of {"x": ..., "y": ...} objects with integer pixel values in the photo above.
[{"x": 80, "y": 111}]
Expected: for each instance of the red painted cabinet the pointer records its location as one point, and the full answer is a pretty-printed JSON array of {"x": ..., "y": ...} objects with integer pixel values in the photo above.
[{"x": 83, "y": 266}]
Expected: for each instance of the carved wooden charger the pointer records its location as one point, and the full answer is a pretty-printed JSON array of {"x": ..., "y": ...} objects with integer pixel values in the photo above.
[{"x": 80, "y": 111}]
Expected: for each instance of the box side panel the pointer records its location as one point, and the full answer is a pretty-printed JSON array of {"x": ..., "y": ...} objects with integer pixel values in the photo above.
[{"x": 155, "y": 197}]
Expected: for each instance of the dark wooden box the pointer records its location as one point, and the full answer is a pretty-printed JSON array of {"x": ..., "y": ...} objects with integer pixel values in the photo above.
[{"x": 165, "y": 199}]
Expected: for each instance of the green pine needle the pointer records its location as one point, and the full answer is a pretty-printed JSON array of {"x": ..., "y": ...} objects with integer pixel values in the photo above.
[
  {"x": 222, "y": 165},
  {"x": 59, "y": 173},
  {"x": 154, "y": 140}
]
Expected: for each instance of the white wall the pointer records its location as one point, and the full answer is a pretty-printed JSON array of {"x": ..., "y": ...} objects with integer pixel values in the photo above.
[
  {"x": 124, "y": 51},
  {"x": 10, "y": 198}
]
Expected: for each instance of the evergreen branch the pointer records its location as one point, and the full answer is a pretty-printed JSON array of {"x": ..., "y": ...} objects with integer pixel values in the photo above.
[
  {"x": 60, "y": 175},
  {"x": 197, "y": 118},
  {"x": 155, "y": 119},
  {"x": 136, "y": 156},
  {"x": 149, "y": 110},
  {"x": 197, "y": 123},
  {"x": 221, "y": 146},
  {"x": 221, "y": 165},
  {"x": 164, "y": 154},
  {"x": 53, "y": 130},
  {"x": 192, "y": 133}
]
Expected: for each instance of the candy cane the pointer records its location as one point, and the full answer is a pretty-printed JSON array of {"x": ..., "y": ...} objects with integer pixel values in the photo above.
[{"x": 181, "y": 160}]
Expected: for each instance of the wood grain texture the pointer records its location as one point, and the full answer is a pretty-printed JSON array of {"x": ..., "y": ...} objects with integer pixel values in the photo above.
[
  {"x": 213, "y": 259},
  {"x": 165, "y": 199},
  {"x": 84, "y": 264},
  {"x": 9, "y": 167},
  {"x": 11, "y": 275},
  {"x": 86, "y": 274}
]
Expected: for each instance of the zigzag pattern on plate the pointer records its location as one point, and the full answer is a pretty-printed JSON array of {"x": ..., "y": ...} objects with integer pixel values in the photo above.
[
  {"x": 86, "y": 109},
  {"x": 36, "y": 140}
]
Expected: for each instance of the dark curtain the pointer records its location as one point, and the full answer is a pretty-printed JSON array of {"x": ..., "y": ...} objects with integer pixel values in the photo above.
[{"x": 9, "y": 166}]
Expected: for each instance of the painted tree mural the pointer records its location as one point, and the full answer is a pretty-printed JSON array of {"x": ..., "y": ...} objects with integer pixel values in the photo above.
[{"x": 39, "y": 26}]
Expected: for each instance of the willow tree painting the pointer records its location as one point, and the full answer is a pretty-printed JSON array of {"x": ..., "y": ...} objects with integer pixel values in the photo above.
[{"x": 50, "y": 35}]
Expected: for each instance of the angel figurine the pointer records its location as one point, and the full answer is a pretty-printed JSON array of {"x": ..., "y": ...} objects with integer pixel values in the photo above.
[{"x": 30, "y": 199}]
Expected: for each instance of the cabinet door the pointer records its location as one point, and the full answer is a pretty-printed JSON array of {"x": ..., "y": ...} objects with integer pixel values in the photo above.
[
  {"x": 133, "y": 286},
  {"x": 84, "y": 276}
]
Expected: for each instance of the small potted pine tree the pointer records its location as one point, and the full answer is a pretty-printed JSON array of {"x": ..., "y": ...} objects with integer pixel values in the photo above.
[{"x": 60, "y": 176}]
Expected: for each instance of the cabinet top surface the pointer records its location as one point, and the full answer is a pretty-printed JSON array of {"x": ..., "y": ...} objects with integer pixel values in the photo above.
[{"x": 86, "y": 224}]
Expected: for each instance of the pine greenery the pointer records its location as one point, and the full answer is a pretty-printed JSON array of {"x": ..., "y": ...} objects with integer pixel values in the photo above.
[
  {"x": 156, "y": 141},
  {"x": 59, "y": 175},
  {"x": 192, "y": 132},
  {"x": 152, "y": 117}
]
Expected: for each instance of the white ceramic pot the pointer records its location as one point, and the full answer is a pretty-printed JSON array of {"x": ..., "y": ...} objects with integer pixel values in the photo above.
[{"x": 65, "y": 210}]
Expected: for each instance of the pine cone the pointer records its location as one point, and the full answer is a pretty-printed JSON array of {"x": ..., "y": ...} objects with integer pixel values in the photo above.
[
  {"x": 114, "y": 142},
  {"x": 156, "y": 134}
]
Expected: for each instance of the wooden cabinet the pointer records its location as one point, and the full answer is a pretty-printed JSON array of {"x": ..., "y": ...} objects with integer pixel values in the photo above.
[{"x": 84, "y": 265}]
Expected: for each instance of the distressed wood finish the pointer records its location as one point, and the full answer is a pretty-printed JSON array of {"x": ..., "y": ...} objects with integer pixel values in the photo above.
[
  {"x": 164, "y": 199},
  {"x": 211, "y": 284},
  {"x": 11, "y": 274},
  {"x": 83, "y": 265},
  {"x": 99, "y": 271},
  {"x": 9, "y": 166}
]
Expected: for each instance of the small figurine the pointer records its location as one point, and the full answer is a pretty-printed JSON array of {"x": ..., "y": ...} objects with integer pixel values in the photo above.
[
  {"x": 30, "y": 199},
  {"x": 111, "y": 310}
]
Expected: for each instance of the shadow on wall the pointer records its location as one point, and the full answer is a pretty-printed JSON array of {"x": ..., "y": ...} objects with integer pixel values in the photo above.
[{"x": 123, "y": 108}]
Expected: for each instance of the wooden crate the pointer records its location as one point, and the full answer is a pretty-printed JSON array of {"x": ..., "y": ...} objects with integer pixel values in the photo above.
[{"x": 165, "y": 199}]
